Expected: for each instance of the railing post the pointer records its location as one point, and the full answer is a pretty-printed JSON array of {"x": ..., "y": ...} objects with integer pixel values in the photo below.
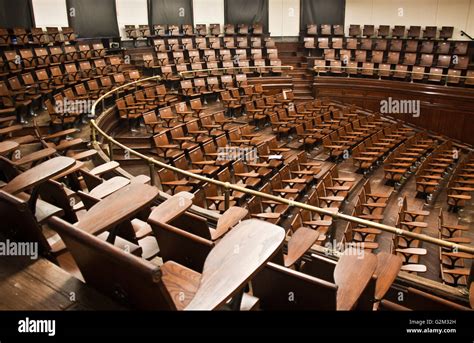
[
  {"x": 151, "y": 165},
  {"x": 111, "y": 150},
  {"x": 93, "y": 133},
  {"x": 226, "y": 196}
]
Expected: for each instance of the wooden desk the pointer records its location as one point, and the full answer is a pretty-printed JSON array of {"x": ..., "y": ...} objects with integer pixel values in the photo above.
[
  {"x": 240, "y": 254},
  {"x": 172, "y": 208},
  {"x": 35, "y": 156},
  {"x": 109, "y": 186},
  {"x": 38, "y": 174},
  {"x": 351, "y": 275},
  {"x": 7, "y": 147},
  {"x": 388, "y": 266},
  {"x": 116, "y": 208}
]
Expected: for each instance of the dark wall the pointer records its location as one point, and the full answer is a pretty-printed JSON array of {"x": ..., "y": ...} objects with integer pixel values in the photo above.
[
  {"x": 93, "y": 18},
  {"x": 17, "y": 13},
  {"x": 246, "y": 12},
  {"x": 322, "y": 12},
  {"x": 170, "y": 12}
]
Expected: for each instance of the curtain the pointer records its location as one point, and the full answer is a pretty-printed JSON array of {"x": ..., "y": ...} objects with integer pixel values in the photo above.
[
  {"x": 93, "y": 18},
  {"x": 322, "y": 12},
  {"x": 169, "y": 12},
  {"x": 246, "y": 12},
  {"x": 16, "y": 13}
]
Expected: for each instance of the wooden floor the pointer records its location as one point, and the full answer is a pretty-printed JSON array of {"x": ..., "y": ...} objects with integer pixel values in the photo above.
[{"x": 33, "y": 285}]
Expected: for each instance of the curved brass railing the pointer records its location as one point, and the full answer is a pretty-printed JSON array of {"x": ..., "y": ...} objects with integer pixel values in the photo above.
[
  {"x": 319, "y": 69},
  {"x": 95, "y": 129},
  {"x": 257, "y": 68}
]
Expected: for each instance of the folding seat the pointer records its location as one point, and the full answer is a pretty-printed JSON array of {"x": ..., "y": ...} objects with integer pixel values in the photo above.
[
  {"x": 377, "y": 56},
  {"x": 430, "y": 32},
  {"x": 215, "y": 29},
  {"x": 409, "y": 59},
  {"x": 360, "y": 55},
  {"x": 446, "y": 32},
  {"x": 396, "y": 45},
  {"x": 369, "y": 30},
  {"x": 367, "y": 69},
  {"x": 325, "y": 30},
  {"x": 460, "y": 48},
  {"x": 56, "y": 55},
  {"x": 164, "y": 149},
  {"x": 366, "y": 44},
  {"x": 42, "y": 57},
  {"x": 426, "y": 60},
  {"x": 435, "y": 74},
  {"x": 21, "y": 35},
  {"x": 39, "y": 36},
  {"x": 28, "y": 59},
  {"x": 400, "y": 72},
  {"x": 393, "y": 57},
  {"x": 398, "y": 31},
  {"x": 380, "y": 44},
  {"x": 411, "y": 45},
  {"x": 338, "y": 30},
  {"x": 444, "y": 61},
  {"x": 351, "y": 43},
  {"x": 201, "y": 43},
  {"x": 427, "y": 47},
  {"x": 414, "y": 32},
  {"x": 337, "y": 43},
  {"x": 85, "y": 51},
  {"x": 70, "y": 53},
  {"x": 160, "y": 30},
  {"x": 214, "y": 43},
  {"x": 384, "y": 70},
  {"x": 257, "y": 29},
  {"x": 354, "y": 30},
  {"x": 323, "y": 43},
  {"x": 173, "y": 30},
  {"x": 460, "y": 62},
  {"x": 242, "y": 42}
]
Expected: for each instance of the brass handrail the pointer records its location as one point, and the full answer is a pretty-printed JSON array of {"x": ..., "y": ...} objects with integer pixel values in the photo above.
[
  {"x": 234, "y": 68},
  {"x": 229, "y": 186}
]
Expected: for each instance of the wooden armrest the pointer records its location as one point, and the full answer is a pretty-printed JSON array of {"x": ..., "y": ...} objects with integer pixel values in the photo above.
[
  {"x": 266, "y": 215},
  {"x": 171, "y": 208},
  {"x": 257, "y": 241},
  {"x": 104, "y": 168},
  {"x": 228, "y": 219},
  {"x": 300, "y": 242}
]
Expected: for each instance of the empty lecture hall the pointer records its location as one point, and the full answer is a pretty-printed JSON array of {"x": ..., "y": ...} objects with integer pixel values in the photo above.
[{"x": 313, "y": 156}]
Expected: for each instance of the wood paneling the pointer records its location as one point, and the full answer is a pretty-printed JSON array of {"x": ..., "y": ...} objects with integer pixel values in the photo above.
[{"x": 447, "y": 110}]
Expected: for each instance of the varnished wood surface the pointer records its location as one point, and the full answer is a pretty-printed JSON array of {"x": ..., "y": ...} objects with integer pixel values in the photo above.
[
  {"x": 471, "y": 295},
  {"x": 35, "y": 156},
  {"x": 38, "y": 174},
  {"x": 8, "y": 146},
  {"x": 109, "y": 186},
  {"x": 113, "y": 210},
  {"x": 351, "y": 275},
  {"x": 300, "y": 242},
  {"x": 172, "y": 208},
  {"x": 234, "y": 260},
  {"x": 41, "y": 285},
  {"x": 388, "y": 266},
  {"x": 228, "y": 219},
  {"x": 180, "y": 282}
]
